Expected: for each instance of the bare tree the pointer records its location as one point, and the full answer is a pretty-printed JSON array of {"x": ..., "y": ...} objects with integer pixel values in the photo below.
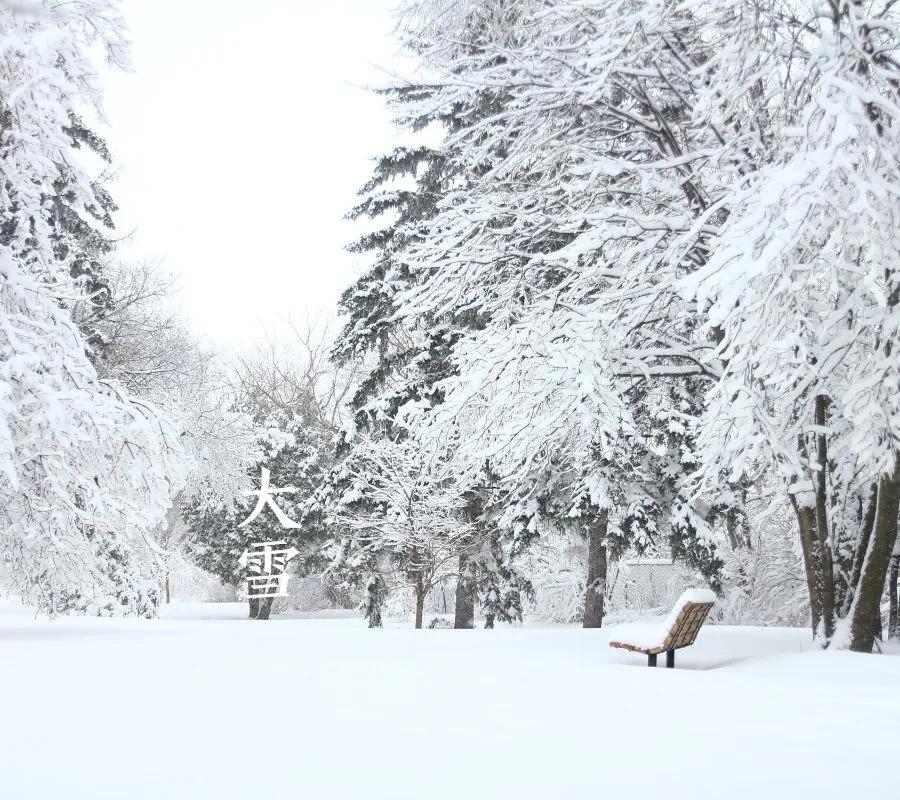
[
  {"x": 291, "y": 371},
  {"x": 405, "y": 513}
]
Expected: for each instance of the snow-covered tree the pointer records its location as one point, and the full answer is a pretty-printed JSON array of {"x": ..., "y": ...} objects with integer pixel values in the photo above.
[
  {"x": 215, "y": 537},
  {"x": 87, "y": 469},
  {"x": 683, "y": 253},
  {"x": 405, "y": 521},
  {"x": 401, "y": 360},
  {"x": 582, "y": 384},
  {"x": 803, "y": 289},
  {"x": 893, "y": 598},
  {"x": 145, "y": 345},
  {"x": 292, "y": 395}
]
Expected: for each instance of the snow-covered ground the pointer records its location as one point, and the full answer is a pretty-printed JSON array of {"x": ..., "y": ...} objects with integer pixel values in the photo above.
[{"x": 205, "y": 704}]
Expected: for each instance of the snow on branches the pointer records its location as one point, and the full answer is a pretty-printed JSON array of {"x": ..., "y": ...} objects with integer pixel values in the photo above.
[
  {"x": 669, "y": 233},
  {"x": 403, "y": 519},
  {"x": 86, "y": 469}
]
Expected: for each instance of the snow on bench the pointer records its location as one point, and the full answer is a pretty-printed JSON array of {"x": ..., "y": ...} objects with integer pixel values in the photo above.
[{"x": 679, "y": 629}]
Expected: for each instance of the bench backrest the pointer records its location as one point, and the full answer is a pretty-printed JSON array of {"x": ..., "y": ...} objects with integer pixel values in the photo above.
[{"x": 687, "y": 625}]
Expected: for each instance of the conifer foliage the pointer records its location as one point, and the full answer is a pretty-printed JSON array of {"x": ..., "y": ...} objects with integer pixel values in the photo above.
[
  {"x": 216, "y": 536},
  {"x": 403, "y": 361}
]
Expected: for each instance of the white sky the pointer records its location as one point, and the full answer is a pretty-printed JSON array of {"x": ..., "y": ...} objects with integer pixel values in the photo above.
[{"x": 242, "y": 137}]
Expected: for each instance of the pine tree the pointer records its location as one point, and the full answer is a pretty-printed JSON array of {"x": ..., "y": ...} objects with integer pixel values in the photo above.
[
  {"x": 405, "y": 360},
  {"x": 215, "y": 538}
]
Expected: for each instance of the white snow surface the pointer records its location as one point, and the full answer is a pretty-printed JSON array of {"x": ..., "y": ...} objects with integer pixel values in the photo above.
[
  {"x": 206, "y": 704},
  {"x": 652, "y": 633}
]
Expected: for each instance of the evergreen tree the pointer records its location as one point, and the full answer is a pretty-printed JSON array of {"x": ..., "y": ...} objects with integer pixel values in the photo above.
[
  {"x": 403, "y": 360},
  {"x": 215, "y": 539}
]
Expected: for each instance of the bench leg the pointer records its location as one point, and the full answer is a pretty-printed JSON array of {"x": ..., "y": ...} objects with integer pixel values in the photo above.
[
  {"x": 651, "y": 659},
  {"x": 670, "y": 659}
]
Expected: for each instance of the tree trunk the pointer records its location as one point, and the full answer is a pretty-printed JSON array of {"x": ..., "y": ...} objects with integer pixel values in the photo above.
[
  {"x": 168, "y": 591},
  {"x": 595, "y": 590},
  {"x": 464, "y": 612},
  {"x": 893, "y": 621},
  {"x": 823, "y": 534},
  {"x": 420, "y": 599},
  {"x": 254, "y": 606},
  {"x": 806, "y": 523},
  {"x": 865, "y": 612},
  {"x": 375, "y": 593},
  {"x": 737, "y": 530},
  {"x": 731, "y": 530},
  {"x": 862, "y": 547},
  {"x": 265, "y": 607}
]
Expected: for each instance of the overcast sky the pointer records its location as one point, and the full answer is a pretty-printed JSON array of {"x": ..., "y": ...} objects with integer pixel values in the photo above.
[{"x": 242, "y": 136}]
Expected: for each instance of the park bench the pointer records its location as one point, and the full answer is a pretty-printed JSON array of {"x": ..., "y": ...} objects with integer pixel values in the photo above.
[{"x": 678, "y": 630}]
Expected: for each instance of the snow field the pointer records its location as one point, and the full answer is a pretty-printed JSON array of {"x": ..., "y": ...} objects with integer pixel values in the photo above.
[{"x": 226, "y": 708}]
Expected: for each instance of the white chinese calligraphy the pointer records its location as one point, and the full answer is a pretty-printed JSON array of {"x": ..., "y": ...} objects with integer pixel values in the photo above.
[
  {"x": 266, "y": 565},
  {"x": 265, "y": 497}
]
